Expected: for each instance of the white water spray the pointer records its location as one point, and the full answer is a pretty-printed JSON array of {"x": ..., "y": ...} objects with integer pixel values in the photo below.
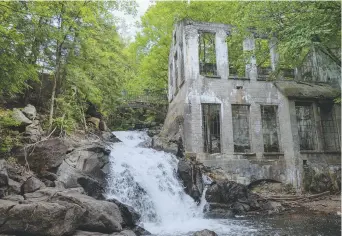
[{"x": 146, "y": 180}]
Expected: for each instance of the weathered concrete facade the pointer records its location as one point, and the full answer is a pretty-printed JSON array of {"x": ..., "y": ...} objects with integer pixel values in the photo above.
[{"x": 249, "y": 127}]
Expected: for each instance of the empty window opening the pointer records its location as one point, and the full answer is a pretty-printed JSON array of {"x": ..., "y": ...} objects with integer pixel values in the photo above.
[
  {"x": 236, "y": 58},
  {"x": 306, "y": 126},
  {"x": 240, "y": 115},
  {"x": 207, "y": 54},
  {"x": 270, "y": 128},
  {"x": 262, "y": 54},
  {"x": 330, "y": 132},
  {"x": 211, "y": 128}
]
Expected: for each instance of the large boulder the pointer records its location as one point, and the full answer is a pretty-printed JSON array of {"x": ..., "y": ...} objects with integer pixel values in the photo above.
[
  {"x": 46, "y": 155},
  {"x": 233, "y": 196},
  {"x": 129, "y": 215},
  {"x": 191, "y": 174},
  {"x": 18, "y": 116},
  {"x": 30, "y": 112},
  {"x": 100, "y": 216},
  {"x": 86, "y": 166},
  {"x": 31, "y": 184},
  {"x": 205, "y": 232},
  {"x": 42, "y": 218}
]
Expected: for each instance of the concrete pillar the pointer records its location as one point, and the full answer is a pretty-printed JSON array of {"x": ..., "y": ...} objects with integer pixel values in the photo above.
[
  {"x": 251, "y": 66},
  {"x": 274, "y": 53},
  {"x": 221, "y": 54}
]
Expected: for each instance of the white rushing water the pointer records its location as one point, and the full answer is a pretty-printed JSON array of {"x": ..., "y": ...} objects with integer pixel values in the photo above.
[{"x": 146, "y": 179}]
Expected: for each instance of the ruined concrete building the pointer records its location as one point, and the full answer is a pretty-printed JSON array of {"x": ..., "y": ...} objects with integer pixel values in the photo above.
[{"x": 250, "y": 126}]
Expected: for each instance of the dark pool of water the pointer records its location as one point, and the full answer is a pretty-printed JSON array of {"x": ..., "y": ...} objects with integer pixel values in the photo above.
[{"x": 299, "y": 224}]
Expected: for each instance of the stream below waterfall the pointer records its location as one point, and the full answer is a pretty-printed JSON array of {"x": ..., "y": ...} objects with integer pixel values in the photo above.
[{"x": 146, "y": 179}]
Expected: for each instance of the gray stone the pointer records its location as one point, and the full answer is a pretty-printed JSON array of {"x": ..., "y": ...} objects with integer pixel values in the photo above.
[
  {"x": 30, "y": 112},
  {"x": 13, "y": 187},
  {"x": 129, "y": 215},
  {"x": 33, "y": 132},
  {"x": 273, "y": 207},
  {"x": 86, "y": 166},
  {"x": 191, "y": 175},
  {"x": 87, "y": 233},
  {"x": 139, "y": 231},
  {"x": 3, "y": 174},
  {"x": 18, "y": 116},
  {"x": 31, "y": 184},
  {"x": 101, "y": 216},
  {"x": 14, "y": 198},
  {"x": 43, "y": 218},
  {"x": 124, "y": 233},
  {"x": 205, "y": 232},
  {"x": 234, "y": 195},
  {"x": 46, "y": 155}
]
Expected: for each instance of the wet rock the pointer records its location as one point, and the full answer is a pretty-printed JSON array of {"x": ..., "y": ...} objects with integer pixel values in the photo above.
[
  {"x": 191, "y": 175},
  {"x": 129, "y": 215},
  {"x": 32, "y": 184},
  {"x": 101, "y": 216},
  {"x": 236, "y": 196},
  {"x": 205, "y": 232},
  {"x": 139, "y": 231},
  {"x": 161, "y": 143},
  {"x": 124, "y": 233},
  {"x": 30, "y": 112},
  {"x": 273, "y": 207},
  {"x": 92, "y": 187},
  {"x": 109, "y": 137},
  {"x": 18, "y": 116},
  {"x": 46, "y": 155},
  {"x": 43, "y": 218},
  {"x": 218, "y": 210},
  {"x": 87, "y": 233}
]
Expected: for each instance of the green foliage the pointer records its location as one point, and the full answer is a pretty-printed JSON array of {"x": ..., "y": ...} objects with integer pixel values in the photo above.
[
  {"x": 76, "y": 43},
  {"x": 6, "y": 119},
  {"x": 295, "y": 24}
]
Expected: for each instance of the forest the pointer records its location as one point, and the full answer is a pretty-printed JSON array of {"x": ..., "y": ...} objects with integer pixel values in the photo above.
[{"x": 73, "y": 51}]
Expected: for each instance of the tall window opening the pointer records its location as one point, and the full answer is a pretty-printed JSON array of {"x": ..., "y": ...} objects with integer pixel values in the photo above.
[
  {"x": 211, "y": 127},
  {"x": 330, "y": 131},
  {"x": 236, "y": 59},
  {"x": 270, "y": 128},
  {"x": 240, "y": 115},
  {"x": 306, "y": 126},
  {"x": 207, "y": 54}
]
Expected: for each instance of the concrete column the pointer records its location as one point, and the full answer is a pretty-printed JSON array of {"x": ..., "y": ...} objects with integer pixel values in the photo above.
[
  {"x": 251, "y": 68},
  {"x": 274, "y": 53},
  {"x": 221, "y": 54},
  {"x": 191, "y": 64},
  {"x": 257, "y": 144}
]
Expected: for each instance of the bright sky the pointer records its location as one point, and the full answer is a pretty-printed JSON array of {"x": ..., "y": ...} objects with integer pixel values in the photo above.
[{"x": 128, "y": 27}]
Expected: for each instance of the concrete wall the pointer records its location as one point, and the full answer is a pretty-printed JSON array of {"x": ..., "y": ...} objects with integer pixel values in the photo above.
[{"x": 285, "y": 165}]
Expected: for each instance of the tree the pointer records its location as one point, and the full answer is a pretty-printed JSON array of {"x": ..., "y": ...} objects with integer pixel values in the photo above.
[{"x": 297, "y": 25}]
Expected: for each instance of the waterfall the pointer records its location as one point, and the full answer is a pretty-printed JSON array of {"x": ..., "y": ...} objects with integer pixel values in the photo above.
[{"x": 146, "y": 179}]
